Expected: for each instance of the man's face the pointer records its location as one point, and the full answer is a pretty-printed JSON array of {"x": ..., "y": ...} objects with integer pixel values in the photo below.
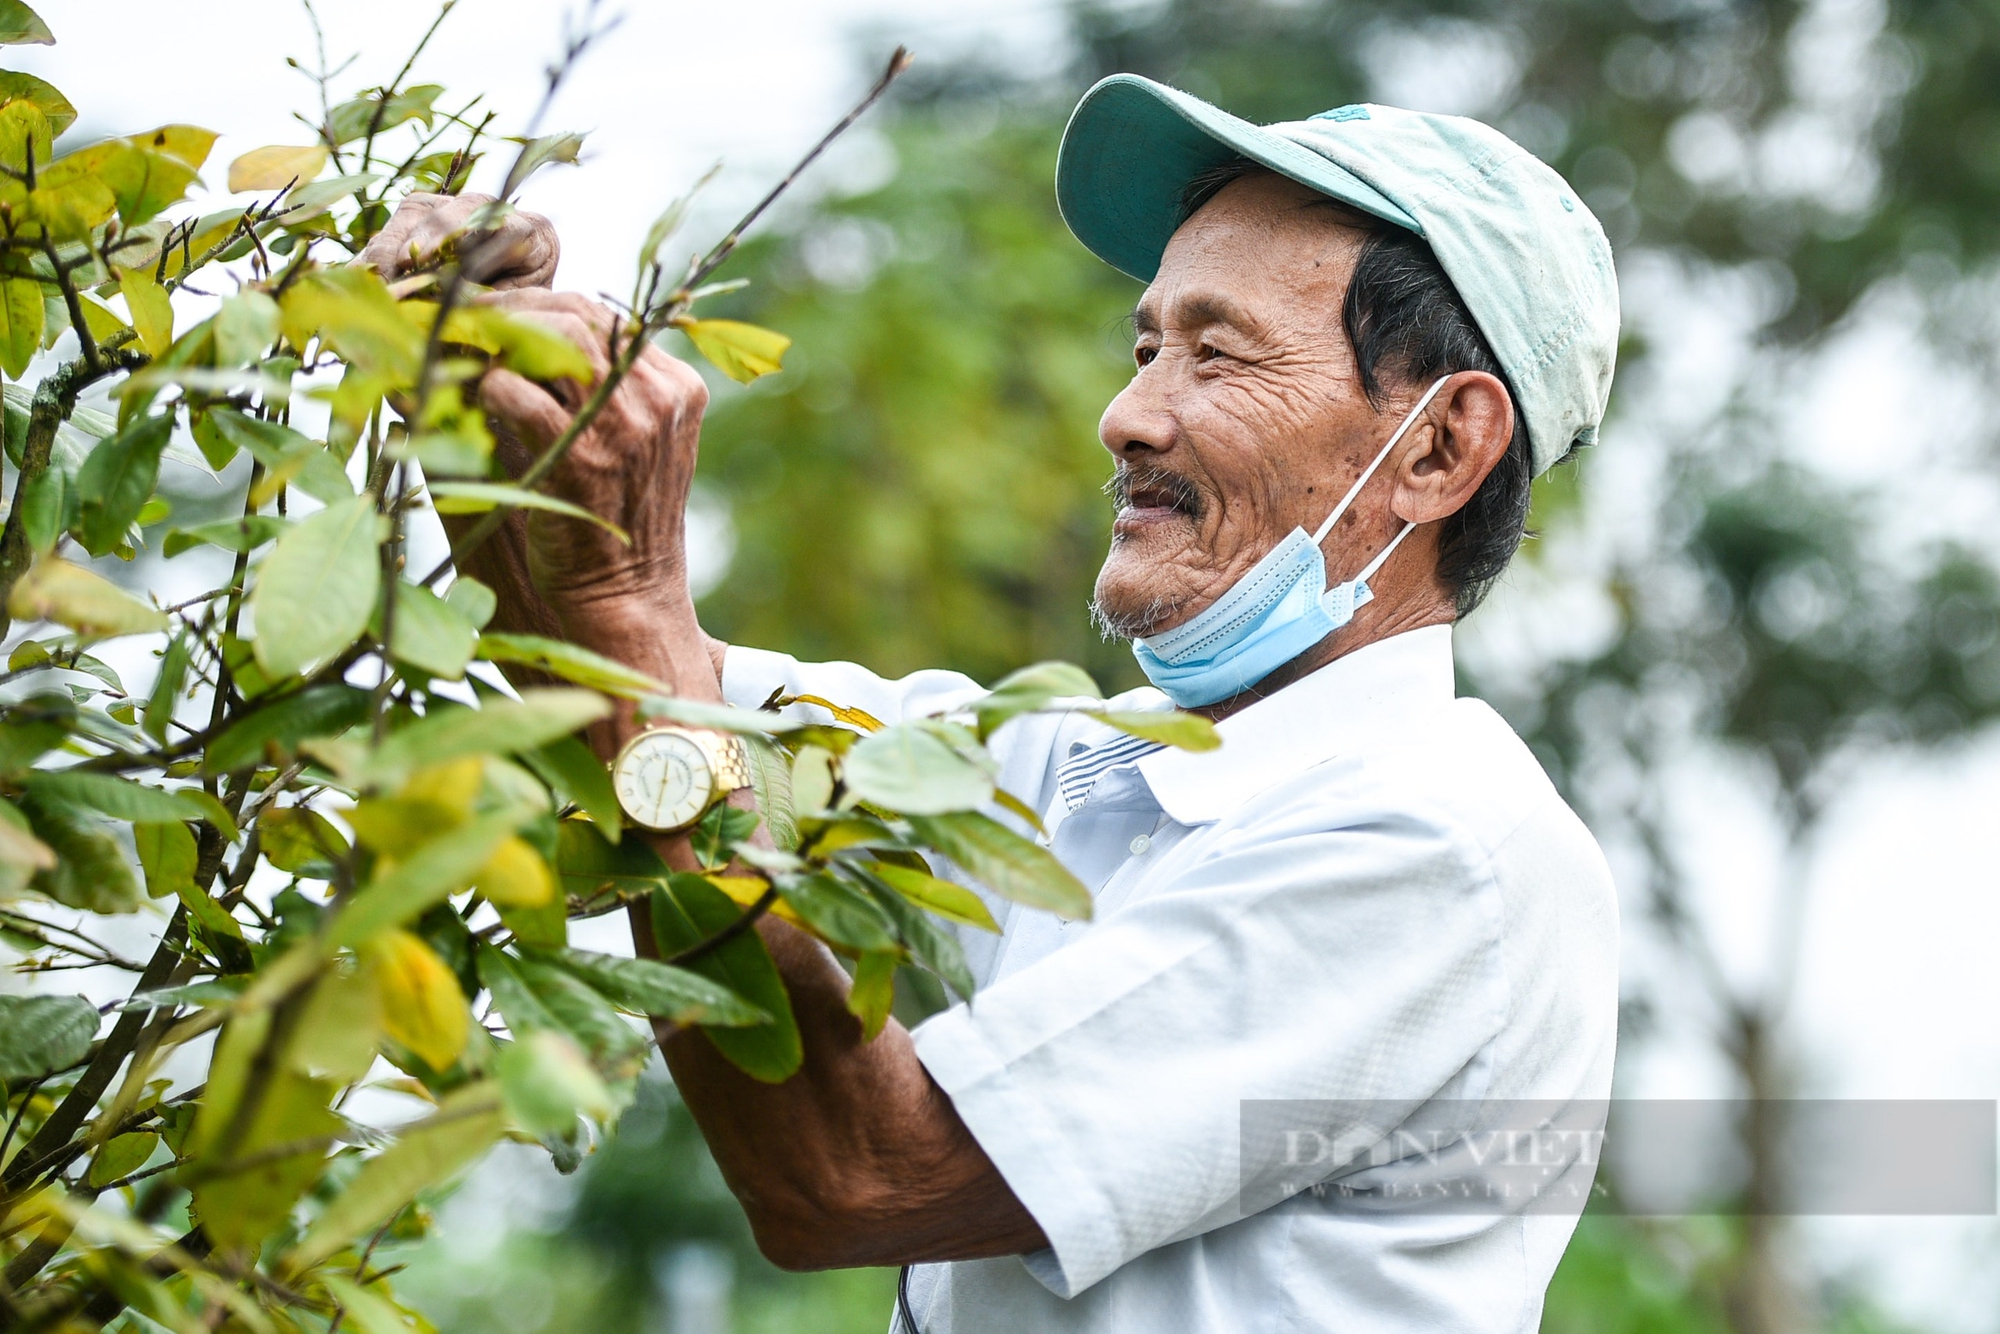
[{"x": 1246, "y": 417}]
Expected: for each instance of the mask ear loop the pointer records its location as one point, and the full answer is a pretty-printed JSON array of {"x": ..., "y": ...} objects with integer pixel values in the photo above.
[{"x": 1369, "y": 471}]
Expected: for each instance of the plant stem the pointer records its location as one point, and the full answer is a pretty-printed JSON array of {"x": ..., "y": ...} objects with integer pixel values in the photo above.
[{"x": 54, "y": 401}]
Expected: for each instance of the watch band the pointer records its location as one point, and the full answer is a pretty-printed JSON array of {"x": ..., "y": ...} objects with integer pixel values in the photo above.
[{"x": 732, "y": 765}]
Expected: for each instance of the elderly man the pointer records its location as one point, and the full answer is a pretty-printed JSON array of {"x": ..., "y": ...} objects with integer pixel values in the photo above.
[{"x": 1367, "y": 921}]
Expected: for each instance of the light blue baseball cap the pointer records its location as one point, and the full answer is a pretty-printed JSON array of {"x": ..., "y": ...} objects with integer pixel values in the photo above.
[{"x": 1528, "y": 259}]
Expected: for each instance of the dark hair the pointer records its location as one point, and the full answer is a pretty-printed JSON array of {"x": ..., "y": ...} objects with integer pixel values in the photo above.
[{"x": 1403, "y": 316}]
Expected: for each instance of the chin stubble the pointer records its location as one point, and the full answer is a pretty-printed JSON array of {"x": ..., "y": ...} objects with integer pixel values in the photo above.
[{"x": 1182, "y": 494}]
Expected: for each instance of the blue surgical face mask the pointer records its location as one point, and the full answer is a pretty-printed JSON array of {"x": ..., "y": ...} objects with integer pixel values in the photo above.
[{"x": 1277, "y": 611}]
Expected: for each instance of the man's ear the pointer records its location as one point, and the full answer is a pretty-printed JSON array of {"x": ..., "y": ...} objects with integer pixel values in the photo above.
[{"x": 1463, "y": 435}]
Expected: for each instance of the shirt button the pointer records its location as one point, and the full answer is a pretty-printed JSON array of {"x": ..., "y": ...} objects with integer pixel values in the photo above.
[{"x": 1140, "y": 845}]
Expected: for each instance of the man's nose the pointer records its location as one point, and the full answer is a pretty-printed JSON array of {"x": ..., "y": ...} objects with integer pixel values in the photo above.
[{"x": 1140, "y": 420}]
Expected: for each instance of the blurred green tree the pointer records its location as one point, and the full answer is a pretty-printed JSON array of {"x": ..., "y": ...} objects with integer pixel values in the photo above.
[{"x": 955, "y": 347}]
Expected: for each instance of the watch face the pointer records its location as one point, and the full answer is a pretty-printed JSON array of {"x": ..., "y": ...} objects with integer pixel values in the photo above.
[{"x": 663, "y": 780}]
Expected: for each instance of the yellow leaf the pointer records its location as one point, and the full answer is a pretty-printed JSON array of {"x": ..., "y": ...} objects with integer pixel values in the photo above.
[
  {"x": 860, "y": 718},
  {"x": 275, "y": 167},
  {"x": 741, "y": 351},
  {"x": 516, "y": 876},
  {"x": 455, "y": 783},
  {"x": 102, "y": 322},
  {"x": 186, "y": 144},
  {"x": 94, "y": 607},
  {"x": 747, "y": 889},
  {"x": 398, "y": 826},
  {"x": 152, "y": 312},
  {"x": 422, "y": 1006},
  {"x": 523, "y": 345}
]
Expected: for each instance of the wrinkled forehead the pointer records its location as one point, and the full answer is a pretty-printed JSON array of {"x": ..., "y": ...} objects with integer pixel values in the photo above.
[{"x": 1262, "y": 246}]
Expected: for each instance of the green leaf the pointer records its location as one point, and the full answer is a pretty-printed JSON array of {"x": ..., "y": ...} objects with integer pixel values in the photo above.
[
  {"x": 1030, "y": 689},
  {"x": 549, "y": 1083},
  {"x": 500, "y": 726},
  {"x": 646, "y": 986},
  {"x": 45, "y": 510},
  {"x": 315, "y": 590},
  {"x": 91, "y": 872},
  {"x": 429, "y": 633},
  {"x": 368, "y": 1311},
  {"x": 21, "y": 315},
  {"x": 908, "y": 768},
  {"x": 21, "y": 26},
  {"x": 245, "y": 327},
  {"x": 281, "y": 725},
  {"x": 241, "y": 1205},
  {"x": 474, "y": 600},
  {"x": 16, "y": 87},
  {"x": 119, "y": 798},
  {"x": 743, "y": 352},
  {"x": 289, "y": 458},
  {"x": 517, "y": 1002},
  {"x": 1004, "y": 862},
  {"x": 838, "y": 913},
  {"x": 297, "y": 838},
  {"x": 381, "y": 111},
  {"x": 430, "y": 875},
  {"x": 930, "y": 943},
  {"x": 94, "y": 607},
  {"x": 167, "y": 687},
  {"x": 717, "y": 717},
  {"x": 684, "y": 914},
  {"x": 167, "y": 854},
  {"x": 479, "y": 497},
  {"x": 464, "y": 1126},
  {"x": 121, "y": 1156},
  {"x": 246, "y": 533},
  {"x": 614, "y": 1046},
  {"x": 1184, "y": 731},
  {"x": 538, "y": 153},
  {"x": 589, "y": 866},
  {"x": 571, "y": 768},
  {"x": 571, "y": 663},
  {"x": 117, "y": 480},
  {"x": 670, "y": 220},
  {"x": 943, "y": 897},
  {"x": 873, "y": 992},
  {"x": 42, "y": 1034}
]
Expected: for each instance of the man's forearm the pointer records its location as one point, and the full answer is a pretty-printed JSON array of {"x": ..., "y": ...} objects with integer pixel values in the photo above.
[{"x": 859, "y": 1158}]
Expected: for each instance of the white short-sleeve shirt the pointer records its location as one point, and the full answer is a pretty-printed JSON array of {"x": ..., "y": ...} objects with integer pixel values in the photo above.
[{"x": 1369, "y": 911}]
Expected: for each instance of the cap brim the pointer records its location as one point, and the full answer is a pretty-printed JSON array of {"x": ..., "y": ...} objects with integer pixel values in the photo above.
[{"x": 1133, "y": 146}]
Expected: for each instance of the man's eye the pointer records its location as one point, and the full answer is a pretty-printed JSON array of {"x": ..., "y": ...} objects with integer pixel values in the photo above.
[
  {"x": 1144, "y": 355},
  {"x": 1210, "y": 352}
]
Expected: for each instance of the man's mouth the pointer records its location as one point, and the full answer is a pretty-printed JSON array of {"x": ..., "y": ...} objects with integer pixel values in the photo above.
[{"x": 1146, "y": 495}]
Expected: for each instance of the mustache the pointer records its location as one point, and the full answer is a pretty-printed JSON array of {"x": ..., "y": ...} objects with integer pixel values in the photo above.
[{"x": 1144, "y": 484}]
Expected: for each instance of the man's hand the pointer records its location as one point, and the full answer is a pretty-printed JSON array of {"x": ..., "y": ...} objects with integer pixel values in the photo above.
[
  {"x": 521, "y": 252},
  {"x": 631, "y": 467}
]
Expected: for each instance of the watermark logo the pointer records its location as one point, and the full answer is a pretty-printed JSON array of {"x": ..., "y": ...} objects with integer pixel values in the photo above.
[{"x": 1634, "y": 1156}]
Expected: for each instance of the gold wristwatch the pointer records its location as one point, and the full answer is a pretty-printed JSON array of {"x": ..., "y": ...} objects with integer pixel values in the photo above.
[{"x": 667, "y": 778}]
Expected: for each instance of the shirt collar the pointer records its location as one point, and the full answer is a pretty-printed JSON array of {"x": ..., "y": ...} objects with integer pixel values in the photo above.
[{"x": 1379, "y": 688}]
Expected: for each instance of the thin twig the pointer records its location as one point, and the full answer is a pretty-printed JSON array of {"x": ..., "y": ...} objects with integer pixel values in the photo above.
[{"x": 654, "y": 320}]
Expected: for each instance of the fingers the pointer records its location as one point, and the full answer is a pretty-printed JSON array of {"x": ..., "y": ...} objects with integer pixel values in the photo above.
[
  {"x": 522, "y": 409},
  {"x": 521, "y": 253}
]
